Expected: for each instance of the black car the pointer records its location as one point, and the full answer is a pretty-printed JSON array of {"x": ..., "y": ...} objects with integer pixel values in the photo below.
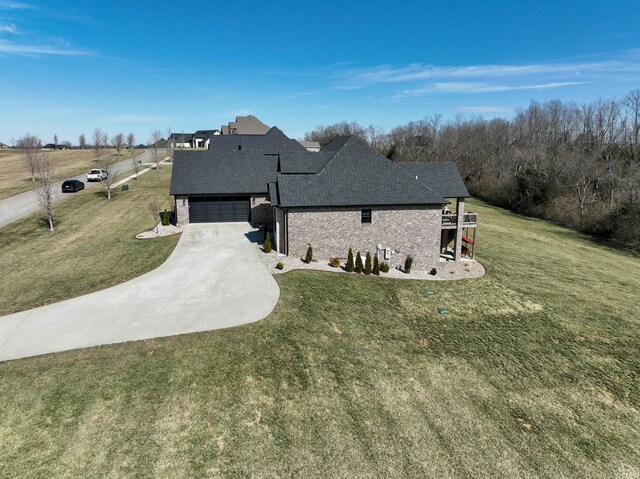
[{"x": 72, "y": 186}]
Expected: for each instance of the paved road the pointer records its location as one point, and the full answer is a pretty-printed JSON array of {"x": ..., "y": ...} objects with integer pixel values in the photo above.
[
  {"x": 18, "y": 206},
  {"x": 214, "y": 279}
]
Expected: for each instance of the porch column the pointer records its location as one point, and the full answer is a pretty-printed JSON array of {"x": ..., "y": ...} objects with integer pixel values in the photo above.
[{"x": 459, "y": 225}]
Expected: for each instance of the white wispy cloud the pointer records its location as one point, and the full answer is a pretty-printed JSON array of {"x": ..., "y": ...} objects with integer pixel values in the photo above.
[
  {"x": 134, "y": 118},
  {"x": 15, "y": 6},
  {"x": 478, "y": 87},
  {"x": 9, "y": 29},
  {"x": 417, "y": 71},
  {"x": 14, "y": 48},
  {"x": 484, "y": 109}
]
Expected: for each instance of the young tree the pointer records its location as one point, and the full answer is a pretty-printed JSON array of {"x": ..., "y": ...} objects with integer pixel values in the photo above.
[
  {"x": 376, "y": 265},
  {"x": 46, "y": 188},
  {"x": 154, "y": 210},
  {"x": 118, "y": 142},
  {"x": 169, "y": 149},
  {"x": 131, "y": 140},
  {"x": 30, "y": 146},
  {"x": 99, "y": 143},
  {"x": 359, "y": 265},
  {"x": 349, "y": 267},
  {"x": 82, "y": 141},
  {"x": 156, "y": 150},
  {"x": 108, "y": 166},
  {"x": 367, "y": 264},
  {"x": 55, "y": 139}
]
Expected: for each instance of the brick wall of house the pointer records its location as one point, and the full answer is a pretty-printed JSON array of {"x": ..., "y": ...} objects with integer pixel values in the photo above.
[
  {"x": 261, "y": 211},
  {"x": 408, "y": 230},
  {"x": 182, "y": 210}
]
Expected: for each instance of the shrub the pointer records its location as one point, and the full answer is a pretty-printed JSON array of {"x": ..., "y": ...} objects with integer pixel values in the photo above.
[
  {"x": 309, "y": 256},
  {"x": 349, "y": 266},
  {"x": 165, "y": 218},
  {"x": 335, "y": 262},
  {"x": 267, "y": 243},
  {"x": 433, "y": 272},
  {"x": 367, "y": 264},
  {"x": 359, "y": 265},
  {"x": 384, "y": 267},
  {"x": 407, "y": 264},
  {"x": 280, "y": 265},
  {"x": 376, "y": 266}
]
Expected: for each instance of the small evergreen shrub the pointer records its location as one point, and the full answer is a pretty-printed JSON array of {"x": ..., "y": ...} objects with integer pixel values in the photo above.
[
  {"x": 433, "y": 272},
  {"x": 407, "y": 264},
  {"x": 280, "y": 265},
  {"x": 334, "y": 262},
  {"x": 376, "y": 266},
  {"x": 309, "y": 256},
  {"x": 267, "y": 243},
  {"x": 165, "y": 218},
  {"x": 359, "y": 265},
  {"x": 384, "y": 267},
  {"x": 349, "y": 267},
  {"x": 367, "y": 264}
]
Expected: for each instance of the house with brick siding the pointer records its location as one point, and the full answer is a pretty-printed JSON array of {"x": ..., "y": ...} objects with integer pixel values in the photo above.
[{"x": 347, "y": 195}]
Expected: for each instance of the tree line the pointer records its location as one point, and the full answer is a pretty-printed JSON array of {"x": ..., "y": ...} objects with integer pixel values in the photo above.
[{"x": 576, "y": 164}]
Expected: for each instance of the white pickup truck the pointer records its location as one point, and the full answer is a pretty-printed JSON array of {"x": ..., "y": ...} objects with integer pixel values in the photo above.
[{"x": 96, "y": 175}]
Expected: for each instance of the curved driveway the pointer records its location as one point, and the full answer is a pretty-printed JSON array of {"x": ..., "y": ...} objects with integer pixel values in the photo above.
[{"x": 213, "y": 279}]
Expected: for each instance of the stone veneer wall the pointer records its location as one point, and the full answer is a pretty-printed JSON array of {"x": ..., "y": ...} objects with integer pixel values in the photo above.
[
  {"x": 182, "y": 210},
  {"x": 413, "y": 230},
  {"x": 261, "y": 211}
]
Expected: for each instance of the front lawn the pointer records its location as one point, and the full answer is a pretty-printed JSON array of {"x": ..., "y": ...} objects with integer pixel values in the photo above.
[
  {"x": 93, "y": 245},
  {"x": 534, "y": 373}
]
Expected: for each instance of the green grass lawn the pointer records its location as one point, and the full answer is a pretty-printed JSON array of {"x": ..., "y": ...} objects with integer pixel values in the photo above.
[
  {"x": 534, "y": 373},
  {"x": 93, "y": 245}
]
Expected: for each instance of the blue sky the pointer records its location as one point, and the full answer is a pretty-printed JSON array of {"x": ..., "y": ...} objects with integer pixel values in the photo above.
[{"x": 67, "y": 67}]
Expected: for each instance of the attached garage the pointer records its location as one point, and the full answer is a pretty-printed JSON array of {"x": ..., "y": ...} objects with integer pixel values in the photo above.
[{"x": 219, "y": 209}]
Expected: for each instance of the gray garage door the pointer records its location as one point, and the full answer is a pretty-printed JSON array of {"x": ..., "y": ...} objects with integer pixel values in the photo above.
[{"x": 218, "y": 209}]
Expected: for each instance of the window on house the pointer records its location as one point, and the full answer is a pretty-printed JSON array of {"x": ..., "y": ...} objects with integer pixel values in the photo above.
[{"x": 366, "y": 216}]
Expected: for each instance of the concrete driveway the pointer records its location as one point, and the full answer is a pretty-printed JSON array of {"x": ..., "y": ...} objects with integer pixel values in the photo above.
[{"x": 214, "y": 279}]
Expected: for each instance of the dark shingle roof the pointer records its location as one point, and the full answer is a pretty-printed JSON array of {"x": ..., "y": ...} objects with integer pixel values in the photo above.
[
  {"x": 273, "y": 194},
  {"x": 357, "y": 175},
  {"x": 442, "y": 177},
  {"x": 204, "y": 134},
  {"x": 304, "y": 162},
  {"x": 181, "y": 137},
  {"x": 274, "y": 141},
  {"x": 205, "y": 172}
]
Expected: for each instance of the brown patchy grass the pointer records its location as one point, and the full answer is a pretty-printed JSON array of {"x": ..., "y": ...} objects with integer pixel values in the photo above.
[
  {"x": 534, "y": 373},
  {"x": 14, "y": 178}
]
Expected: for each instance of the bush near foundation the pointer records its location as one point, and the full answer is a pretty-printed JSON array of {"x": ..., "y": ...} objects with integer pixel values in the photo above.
[
  {"x": 359, "y": 265},
  {"x": 334, "y": 262},
  {"x": 349, "y": 267}
]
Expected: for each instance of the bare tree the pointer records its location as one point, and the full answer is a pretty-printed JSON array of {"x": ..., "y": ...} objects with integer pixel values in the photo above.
[
  {"x": 55, "y": 139},
  {"x": 169, "y": 149},
  {"x": 30, "y": 146},
  {"x": 45, "y": 191},
  {"x": 108, "y": 166},
  {"x": 154, "y": 210},
  {"x": 82, "y": 141},
  {"x": 99, "y": 143},
  {"x": 155, "y": 147},
  {"x": 118, "y": 142},
  {"x": 131, "y": 140}
]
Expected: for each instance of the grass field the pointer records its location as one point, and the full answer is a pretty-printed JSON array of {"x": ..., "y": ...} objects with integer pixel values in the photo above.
[
  {"x": 534, "y": 373},
  {"x": 93, "y": 245},
  {"x": 14, "y": 178}
]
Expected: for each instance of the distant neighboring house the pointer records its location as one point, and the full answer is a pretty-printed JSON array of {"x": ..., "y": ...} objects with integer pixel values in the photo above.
[
  {"x": 3, "y": 146},
  {"x": 180, "y": 140},
  {"x": 311, "y": 145},
  {"x": 52, "y": 146},
  {"x": 140, "y": 147},
  {"x": 347, "y": 195},
  {"x": 245, "y": 125},
  {"x": 161, "y": 143},
  {"x": 201, "y": 138}
]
